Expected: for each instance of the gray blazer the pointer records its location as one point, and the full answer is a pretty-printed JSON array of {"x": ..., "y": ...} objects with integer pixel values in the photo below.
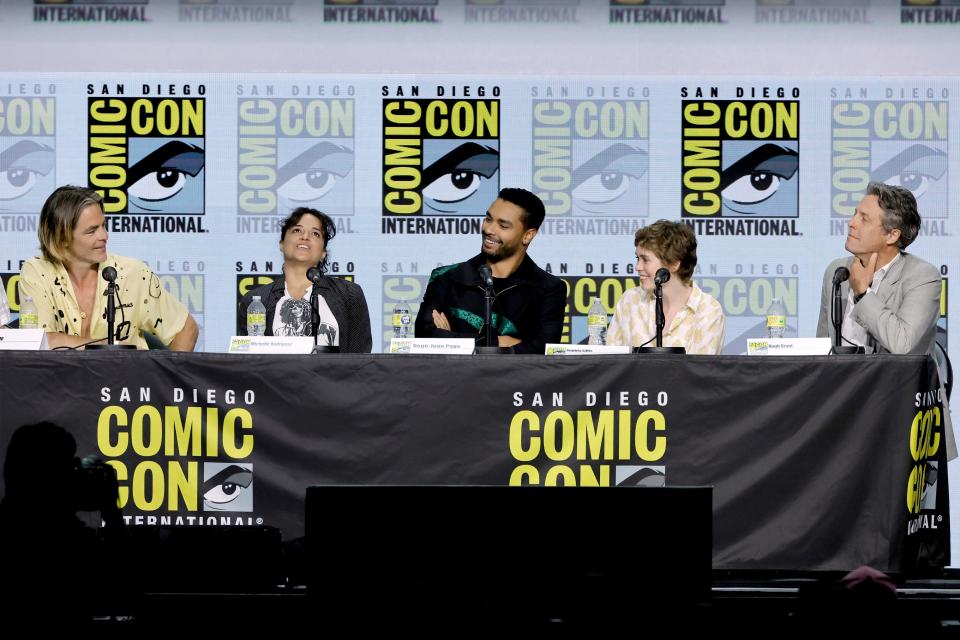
[{"x": 901, "y": 316}]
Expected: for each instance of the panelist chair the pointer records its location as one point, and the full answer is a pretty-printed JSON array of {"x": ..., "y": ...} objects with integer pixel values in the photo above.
[
  {"x": 153, "y": 342},
  {"x": 944, "y": 368}
]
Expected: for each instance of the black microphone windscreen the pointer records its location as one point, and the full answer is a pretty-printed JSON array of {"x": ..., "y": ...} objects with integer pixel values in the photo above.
[
  {"x": 842, "y": 274},
  {"x": 109, "y": 274},
  {"x": 486, "y": 275},
  {"x": 663, "y": 275},
  {"x": 313, "y": 274}
]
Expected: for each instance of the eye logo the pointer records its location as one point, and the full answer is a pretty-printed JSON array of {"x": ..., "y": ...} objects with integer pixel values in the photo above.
[
  {"x": 440, "y": 158},
  {"x": 227, "y": 487},
  {"x": 918, "y": 168},
  {"x": 460, "y": 180},
  {"x": 741, "y": 160},
  {"x": 167, "y": 177},
  {"x": 928, "y": 493},
  {"x": 294, "y": 152},
  {"x": 637, "y": 476},
  {"x": 319, "y": 174},
  {"x": 610, "y": 179},
  {"x": 902, "y": 143},
  {"x": 591, "y": 157},
  {"x": 759, "y": 181},
  {"x": 146, "y": 158},
  {"x": 27, "y": 156},
  {"x": 22, "y": 165}
]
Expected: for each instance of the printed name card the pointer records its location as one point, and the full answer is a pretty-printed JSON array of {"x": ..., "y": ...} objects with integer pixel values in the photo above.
[
  {"x": 788, "y": 346},
  {"x": 271, "y": 344},
  {"x": 459, "y": 346},
  {"x": 23, "y": 340},
  {"x": 583, "y": 349}
]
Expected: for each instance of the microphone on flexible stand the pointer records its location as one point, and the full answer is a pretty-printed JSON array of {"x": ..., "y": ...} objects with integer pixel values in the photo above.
[
  {"x": 314, "y": 276},
  {"x": 486, "y": 280},
  {"x": 663, "y": 275},
  {"x": 660, "y": 278},
  {"x": 486, "y": 276},
  {"x": 841, "y": 275},
  {"x": 110, "y": 275},
  {"x": 490, "y": 340}
]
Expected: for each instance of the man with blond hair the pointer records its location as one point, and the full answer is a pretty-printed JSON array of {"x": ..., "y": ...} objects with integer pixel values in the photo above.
[{"x": 66, "y": 282}]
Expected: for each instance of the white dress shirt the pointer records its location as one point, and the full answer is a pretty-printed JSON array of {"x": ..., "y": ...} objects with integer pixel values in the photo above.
[{"x": 851, "y": 330}]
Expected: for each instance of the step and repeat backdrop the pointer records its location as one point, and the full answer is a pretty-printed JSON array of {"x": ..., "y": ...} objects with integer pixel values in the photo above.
[
  {"x": 197, "y": 171},
  {"x": 198, "y": 168}
]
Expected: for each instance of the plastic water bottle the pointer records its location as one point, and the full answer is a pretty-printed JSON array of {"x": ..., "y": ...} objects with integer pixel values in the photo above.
[
  {"x": 256, "y": 318},
  {"x": 776, "y": 319},
  {"x": 28, "y": 313},
  {"x": 401, "y": 320},
  {"x": 597, "y": 323}
]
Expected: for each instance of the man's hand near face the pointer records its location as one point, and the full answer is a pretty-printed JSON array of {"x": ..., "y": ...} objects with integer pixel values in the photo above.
[{"x": 861, "y": 275}]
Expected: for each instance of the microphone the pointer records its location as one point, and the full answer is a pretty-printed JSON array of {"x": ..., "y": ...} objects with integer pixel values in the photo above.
[
  {"x": 110, "y": 275},
  {"x": 114, "y": 332},
  {"x": 842, "y": 274},
  {"x": 313, "y": 274},
  {"x": 486, "y": 276},
  {"x": 663, "y": 275}
]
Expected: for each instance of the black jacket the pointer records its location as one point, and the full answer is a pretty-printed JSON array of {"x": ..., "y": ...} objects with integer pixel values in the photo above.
[
  {"x": 344, "y": 298},
  {"x": 529, "y": 305}
]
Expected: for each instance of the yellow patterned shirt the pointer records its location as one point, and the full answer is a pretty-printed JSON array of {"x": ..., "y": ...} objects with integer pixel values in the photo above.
[
  {"x": 698, "y": 326},
  {"x": 151, "y": 309}
]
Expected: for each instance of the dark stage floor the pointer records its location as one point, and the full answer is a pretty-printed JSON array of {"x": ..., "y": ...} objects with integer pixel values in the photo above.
[{"x": 749, "y": 605}]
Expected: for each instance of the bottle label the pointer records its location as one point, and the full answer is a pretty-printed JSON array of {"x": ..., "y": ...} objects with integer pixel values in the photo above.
[
  {"x": 595, "y": 319},
  {"x": 398, "y": 319},
  {"x": 28, "y": 321},
  {"x": 256, "y": 318},
  {"x": 776, "y": 321}
]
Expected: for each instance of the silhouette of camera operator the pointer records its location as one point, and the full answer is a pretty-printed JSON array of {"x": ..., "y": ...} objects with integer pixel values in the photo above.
[{"x": 56, "y": 569}]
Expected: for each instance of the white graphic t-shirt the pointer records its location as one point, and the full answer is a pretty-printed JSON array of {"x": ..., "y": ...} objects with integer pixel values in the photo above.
[{"x": 292, "y": 318}]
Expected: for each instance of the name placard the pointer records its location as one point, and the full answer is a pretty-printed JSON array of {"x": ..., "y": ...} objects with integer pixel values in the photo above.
[
  {"x": 459, "y": 346},
  {"x": 553, "y": 349},
  {"x": 788, "y": 346},
  {"x": 23, "y": 340},
  {"x": 271, "y": 344}
]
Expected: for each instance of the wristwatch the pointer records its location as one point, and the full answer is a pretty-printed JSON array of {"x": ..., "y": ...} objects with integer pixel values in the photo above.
[{"x": 858, "y": 296}]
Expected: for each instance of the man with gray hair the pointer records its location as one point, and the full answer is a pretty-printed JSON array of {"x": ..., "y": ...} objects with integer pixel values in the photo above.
[{"x": 892, "y": 297}]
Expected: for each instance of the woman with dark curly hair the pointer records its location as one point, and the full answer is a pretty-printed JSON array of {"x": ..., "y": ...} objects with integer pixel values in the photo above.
[{"x": 344, "y": 321}]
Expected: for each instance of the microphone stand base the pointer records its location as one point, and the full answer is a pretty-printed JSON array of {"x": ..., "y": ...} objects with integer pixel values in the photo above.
[
  {"x": 110, "y": 347},
  {"x": 324, "y": 348},
  {"x": 846, "y": 350},
  {"x": 492, "y": 350},
  {"x": 671, "y": 350}
]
